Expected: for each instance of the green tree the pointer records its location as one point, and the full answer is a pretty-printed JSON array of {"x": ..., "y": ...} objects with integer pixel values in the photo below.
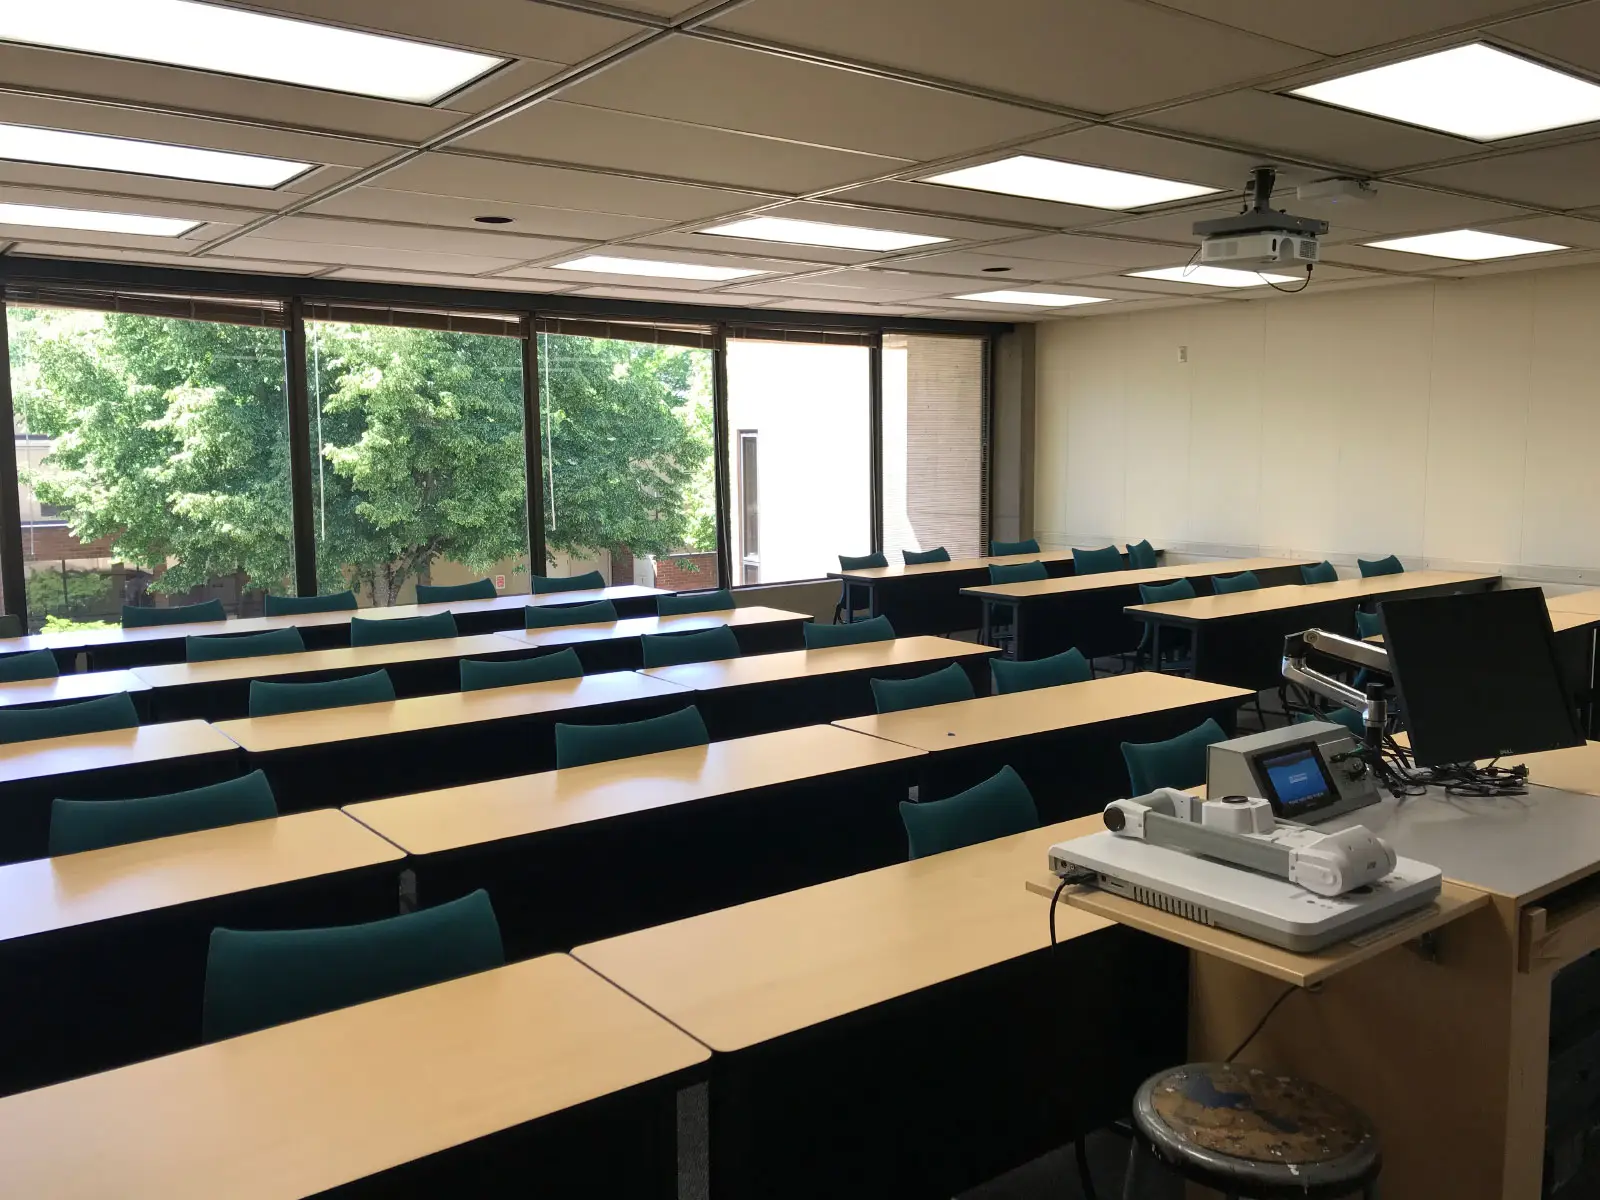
[{"x": 69, "y": 593}]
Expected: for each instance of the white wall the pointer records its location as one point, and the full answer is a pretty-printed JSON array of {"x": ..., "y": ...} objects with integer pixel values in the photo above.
[{"x": 1450, "y": 423}]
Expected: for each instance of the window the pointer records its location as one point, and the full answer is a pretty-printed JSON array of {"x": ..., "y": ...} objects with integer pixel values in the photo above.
[
  {"x": 153, "y": 461},
  {"x": 809, "y": 404},
  {"x": 749, "y": 508}
]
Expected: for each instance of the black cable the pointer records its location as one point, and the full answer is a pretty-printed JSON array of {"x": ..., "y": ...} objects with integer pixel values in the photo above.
[
  {"x": 1289, "y": 291},
  {"x": 1261, "y": 1024},
  {"x": 1077, "y": 875}
]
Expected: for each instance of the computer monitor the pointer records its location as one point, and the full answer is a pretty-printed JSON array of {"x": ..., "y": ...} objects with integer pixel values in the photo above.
[{"x": 1478, "y": 676}]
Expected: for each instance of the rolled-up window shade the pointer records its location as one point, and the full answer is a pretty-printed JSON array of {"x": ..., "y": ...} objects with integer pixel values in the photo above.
[{"x": 227, "y": 310}]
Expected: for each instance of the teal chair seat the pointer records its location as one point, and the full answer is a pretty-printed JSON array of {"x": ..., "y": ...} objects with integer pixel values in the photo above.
[
  {"x": 999, "y": 806},
  {"x": 78, "y": 825},
  {"x": 1142, "y": 555},
  {"x": 571, "y": 583},
  {"x": 1001, "y": 549},
  {"x": 860, "y": 562},
  {"x": 1178, "y": 762},
  {"x": 1067, "y": 667},
  {"x": 1096, "y": 562},
  {"x": 1322, "y": 572},
  {"x": 478, "y": 589},
  {"x": 579, "y": 745},
  {"x": 33, "y": 664},
  {"x": 248, "y": 645},
  {"x": 1244, "y": 581},
  {"x": 289, "y": 606},
  {"x": 913, "y": 557},
  {"x": 720, "y": 600},
  {"x": 1380, "y": 566},
  {"x": 368, "y": 632},
  {"x": 257, "y": 978},
  {"x": 945, "y": 686},
  {"x": 63, "y": 720},
  {"x": 139, "y": 616},
  {"x": 268, "y": 699},
  {"x": 820, "y": 637},
  {"x": 481, "y": 674},
  {"x": 702, "y": 645},
  {"x": 1017, "y": 572},
  {"x": 1343, "y": 715},
  {"x": 551, "y": 616}
]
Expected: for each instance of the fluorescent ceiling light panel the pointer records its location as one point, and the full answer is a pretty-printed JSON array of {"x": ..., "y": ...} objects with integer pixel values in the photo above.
[
  {"x": 64, "y": 148},
  {"x": 1039, "y": 299},
  {"x": 231, "y": 41},
  {"x": 600, "y": 264},
  {"x": 1466, "y": 244},
  {"x": 1212, "y": 276},
  {"x": 1472, "y": 91},
  {"x": 98, "y": 222},
  {"x": 1069, "y": 183},
  {"x": 821, "y": 233}
]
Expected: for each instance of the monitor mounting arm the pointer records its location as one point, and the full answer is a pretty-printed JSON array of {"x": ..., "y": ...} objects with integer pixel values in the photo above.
[{"x": 1371, "y": 704}]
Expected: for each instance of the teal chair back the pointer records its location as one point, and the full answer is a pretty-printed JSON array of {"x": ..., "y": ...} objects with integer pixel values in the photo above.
[
  {"x": 289, "y": 606},
  {"x": 478, "y": 589},
  {"x": 34, "y": 664},
  {"x": 550, "y": 616},
  {"x": 861, "y": 562},
  {"x": 64, "y": 720},
  {"x": 1142, "y": 555},
  {"x": 1160, "y": 593},
  {"x": 1178, "y": 762},
  {"x": 820, "y": 637},
  {"x": 1067, "y": 667},
  {"x": 268, "y": 699},
  {"x": 1244, "y": 581},
  {"x": 256, "y": 978},
  {"x": 1380, "y": 566},
  {"x": 703, "y": 645},
  {"x": 248, "y": 645},
  {"x": 936, "y": 555},
  {"x": 479, "y": 675},
  {"x": 999, "y": 806},
  {"x": 579, "y": 745},
  {"x": 944, "y": 686},
  {"x": 572, "y": 583},
  {"x": 1096, "y": 562},
  {"x": 1368, "y": 624},
  {"x": 676, "y": 605},
  {"x": 367, "y": 632},
  {"x": 1322, "y": 572},
  {"x": 1017, "y": 573},
  {"x": 1001, "y": 549},
  {"x": 78, "y": 825},
  {"x": 138, "y": 616},
  {"x": 1343, "y": 715}
]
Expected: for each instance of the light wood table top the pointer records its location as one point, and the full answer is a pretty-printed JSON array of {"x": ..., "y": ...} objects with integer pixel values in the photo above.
[
  {"x": 114, "y": 748},
  {"x": 622, "y": 591},
  {"x": 297, "y": 1109},
  {"x": 430, "y": 822},
  {"x": 1586, "y": 602},
  {"x": 912, "y": 570},
  {"x": 1573, "y": 770},
  {"x": 83, "y": 686},
  {"x": 632, "y": 627},
  {"x": 1044, "y": 710},
  {"x": 805, "y": 664},
  {"x": 48, "y": 894},
  {"x": 757, "y": 971},
  {"x": 1114, "y": 579},
  {"x": 339, "y": 658},
  {"x": 288, "y": 731},
  {"x": 1302, "y": 595}
]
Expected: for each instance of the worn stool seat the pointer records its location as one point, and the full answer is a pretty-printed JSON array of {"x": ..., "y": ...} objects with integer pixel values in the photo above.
[{"x": 1251, "y": 1133}]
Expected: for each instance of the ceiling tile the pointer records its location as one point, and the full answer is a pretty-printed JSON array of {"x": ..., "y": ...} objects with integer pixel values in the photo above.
[
  {"x": 1554, "y": 177},
  {"x": 1568, "y": 35},
  {"x": 668, "y": 296},
  {"x": 114, "y": 190},
  {"x": 156, "y": 258},
  {"x": 1348, "y": 25},
  {"x": 150, "y": 206},
  {"x": 382, "y": 204},
  {"x": 866, "y": 285},
  {"x": 974, "y": 266},
  {"x": 1076, "y": 248},
  {"x": 500, "y": 86},
  {"x": 963, "y": 202},
  {"x": 945, "y": 227},
  {"x": 1401, "y": 209},
  {"x": 496, "y": 283},
  {"x": 1563, "y": 231},
  {"x": 339, "y": 232},
  {"x": 1169, "y": 158},
  {"x": 266, "y": 247}
]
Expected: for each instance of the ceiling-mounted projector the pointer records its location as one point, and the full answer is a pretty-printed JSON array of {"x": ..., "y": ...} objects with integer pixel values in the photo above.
[{"x": 1259, "y": 237}]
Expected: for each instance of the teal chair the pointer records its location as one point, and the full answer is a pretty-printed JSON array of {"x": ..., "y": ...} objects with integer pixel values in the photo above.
[
  {"x": 1096, "y": 562},
  {"x": 1368, "y": 624},
  {"x": 1323, "y": 572},
  {"x": 574, "y": 583},
  {"x": 1177, "y": 640},
  {"x": 1343, "y": 715},
  {"x": 64, "y": 720},
  {"x": 1067, "y": 667},
  {"x": 821, "y": 637},
  {"x": 478, "y": 589},
  {"x": 1142, "y": 555},
  {"x": 78, "y": 825},
  {"x": 249, "y": 645},
  {"x": 945, "y": 686},
  {"x": 1017, "y": 573},
  {"x": 579, "y": 745},
  {"x": 998, "y": 807},
  {"x": 1178, "y": 762},
  {"x": 600, "y": 612},
  {"x": 34, "y": 664},
  {"x": 680, "y": 603},
  {"x": 704, "y": 645},
  {"x": 1380, "y": 566},
  {"x": 479, "y": 675},
  {"x": 859, "y": 562},
  {"x": 139, "y": 616},
  {"x": 367, "y": 632},
  {"x": 1244, "y": 581},
  {"x": 1001, "y": 549},
  {"x": 291, "y": 606},
  {"x": 256, "y": 978},
  {"x": 913, "y": 557},
  {"x": 268, "y": 699}
]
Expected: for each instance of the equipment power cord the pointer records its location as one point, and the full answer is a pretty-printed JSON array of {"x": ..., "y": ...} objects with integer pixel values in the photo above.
[
  {"x": 1265, "y": 1017},
  {"x": 1078, "y": 876}
]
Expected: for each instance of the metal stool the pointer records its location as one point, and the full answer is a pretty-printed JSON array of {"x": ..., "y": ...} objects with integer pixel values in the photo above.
[{"x": 1252, "y": 1135}]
